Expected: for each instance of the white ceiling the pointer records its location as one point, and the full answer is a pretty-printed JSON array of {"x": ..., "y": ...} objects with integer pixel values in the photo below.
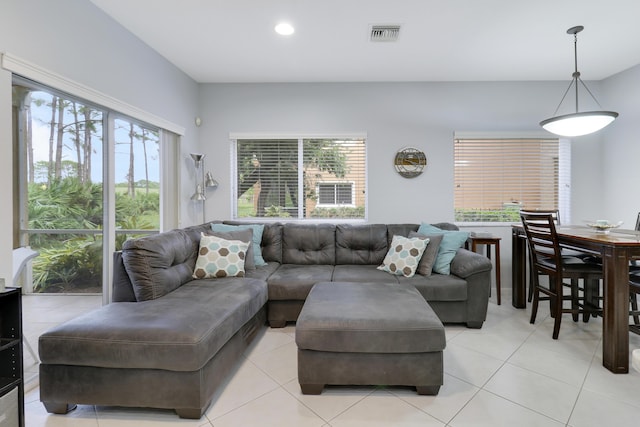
[{"x": 440, "y": 40}]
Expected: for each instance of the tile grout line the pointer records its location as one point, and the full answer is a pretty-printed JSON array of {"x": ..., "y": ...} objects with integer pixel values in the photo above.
[{"x": 507, "y": 362}]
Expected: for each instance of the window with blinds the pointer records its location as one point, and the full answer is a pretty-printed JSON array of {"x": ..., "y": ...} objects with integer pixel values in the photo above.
[
  {"x": 302, "y": 178},
  {"x": 494, "y": 178}
]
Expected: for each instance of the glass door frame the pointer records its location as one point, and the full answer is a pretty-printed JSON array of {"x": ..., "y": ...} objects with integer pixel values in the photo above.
[{"x": 109, "y": 229}]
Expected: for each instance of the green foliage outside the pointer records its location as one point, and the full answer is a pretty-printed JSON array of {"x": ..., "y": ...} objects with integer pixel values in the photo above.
[
  {"x": 484, "y": 215},
  {"x": 73, "y": 262},
  {"x": 276, "y": 212},
  {"x": 63, "y": 140},
  {"x": 340, "y": 212}
]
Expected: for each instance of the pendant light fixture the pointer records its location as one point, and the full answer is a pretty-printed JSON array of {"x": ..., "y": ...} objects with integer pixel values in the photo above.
[{"x": 577, "y": 124}]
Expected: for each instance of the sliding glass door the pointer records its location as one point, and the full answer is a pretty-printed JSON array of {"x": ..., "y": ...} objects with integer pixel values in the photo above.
[{"x": 82, "y": 171}]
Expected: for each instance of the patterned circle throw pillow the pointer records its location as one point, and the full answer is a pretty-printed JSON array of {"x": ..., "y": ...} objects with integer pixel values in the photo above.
[
  {"x": 404, "y": 255},
  {"x": 218, "y": 257}
]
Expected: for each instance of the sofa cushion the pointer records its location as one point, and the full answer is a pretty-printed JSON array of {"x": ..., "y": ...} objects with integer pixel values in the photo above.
[
  {"x": 160, "y": 263},
  {"x": 404, "y": 255},
  {"x": 271, "y": 240},
  {"x": 437, "y": 287},
  {"x": 122, "y": 289},
  {"x": 294, "y": 281},
  {"x": 178, "y": 332},
  {"x": 258, "y": 229},
  {"x": 307, "y": 244},
  {"x": 425, "y": 266},
  {"x": 451, "y": 242},
  {"x": 400, "y": 230},
  {"x": 361, "y": 273},
  {"x": 263, "y": 272},
  {"x": 405, "y": 229},
  {"x": 245, "y": 236},
  {"x": 194, "y": 231},
  {"x": 218, "y": 257},
  {"x": 361, "y": 244}
]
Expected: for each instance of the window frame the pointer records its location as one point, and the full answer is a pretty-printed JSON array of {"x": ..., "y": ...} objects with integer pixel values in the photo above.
[
  {"x": 234, "y": 137},
  {"x": 335, "y": 184},
  {"x": 563, "y": 176},
  {"x": 169, "y": 145}
]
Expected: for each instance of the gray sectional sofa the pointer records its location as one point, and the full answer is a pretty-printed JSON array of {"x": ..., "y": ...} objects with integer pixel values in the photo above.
[{"x": 169, "y": 341}]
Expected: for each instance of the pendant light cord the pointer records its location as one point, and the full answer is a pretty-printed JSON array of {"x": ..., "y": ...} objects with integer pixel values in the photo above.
[{"x": 576, "y": 75}]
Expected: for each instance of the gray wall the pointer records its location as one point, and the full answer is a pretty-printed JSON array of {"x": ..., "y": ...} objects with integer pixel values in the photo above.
[
  {"x": 394, "y": 115},
  {"x": 76, "y": 40},
  {"x": 620, "y": 152}
]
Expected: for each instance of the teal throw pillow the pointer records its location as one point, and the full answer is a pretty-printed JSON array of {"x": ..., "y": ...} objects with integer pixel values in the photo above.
[
  {"x": 404, "y": 255},
  {"x": 258, "y": 229},
  {"x": 451, "y": 242}
]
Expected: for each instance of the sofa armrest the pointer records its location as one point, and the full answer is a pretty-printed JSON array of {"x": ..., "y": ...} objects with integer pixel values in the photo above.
[
  {"x": 122, "y": 289},
  {"x": 467, "y": 263},
  {"x": 476, "y": 270}
]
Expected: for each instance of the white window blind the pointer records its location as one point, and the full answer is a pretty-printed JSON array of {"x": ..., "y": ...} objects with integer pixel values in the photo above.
[
  {"x": 496, "y": 177},
  {"x": 303, "y": 178}
]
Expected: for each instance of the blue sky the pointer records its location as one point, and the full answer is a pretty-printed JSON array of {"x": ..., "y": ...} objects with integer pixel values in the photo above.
[{"x": 41, "y": 115}]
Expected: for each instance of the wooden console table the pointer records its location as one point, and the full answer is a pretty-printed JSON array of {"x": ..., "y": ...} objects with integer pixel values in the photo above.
[{"x": 489, "y": 242}]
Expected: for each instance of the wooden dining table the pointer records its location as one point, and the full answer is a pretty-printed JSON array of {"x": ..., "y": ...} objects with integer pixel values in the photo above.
[{"x": 616, "y": 248}]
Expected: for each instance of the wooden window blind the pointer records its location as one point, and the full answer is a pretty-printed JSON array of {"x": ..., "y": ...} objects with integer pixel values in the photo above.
[{"x": 496, "y": 177}]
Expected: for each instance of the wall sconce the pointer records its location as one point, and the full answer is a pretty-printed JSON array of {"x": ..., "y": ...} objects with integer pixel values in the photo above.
[{"x": 204, "y": 180}]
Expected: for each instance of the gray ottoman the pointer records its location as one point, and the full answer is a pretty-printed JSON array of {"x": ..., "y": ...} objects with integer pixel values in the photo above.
[{"x": 368, "y": 334}]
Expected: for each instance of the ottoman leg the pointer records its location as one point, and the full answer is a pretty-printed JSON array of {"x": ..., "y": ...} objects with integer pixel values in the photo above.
[
  {"x": 430, "y": 390},
  {"x": 59, "y": 408},
  {"x": 190, "y": 413},
  {"x": 277, "y": 323},
  {"x": 311, "y": 388}
]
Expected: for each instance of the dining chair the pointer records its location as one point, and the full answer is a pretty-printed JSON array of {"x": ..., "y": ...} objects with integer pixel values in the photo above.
[
  {"x": 634, "y": 265},
  {"x": 547, "y": 259},
  {"x": 567, "y": 254},
  {"x": 555, "y": 213},
  {"x": 634, "y": 291}
]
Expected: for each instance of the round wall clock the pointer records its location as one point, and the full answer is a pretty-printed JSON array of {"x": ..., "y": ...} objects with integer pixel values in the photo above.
[{"x": 410, "y": 162}]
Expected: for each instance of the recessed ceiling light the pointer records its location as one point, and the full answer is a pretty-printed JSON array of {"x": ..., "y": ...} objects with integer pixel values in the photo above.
[{"x": 284, "y": 29}]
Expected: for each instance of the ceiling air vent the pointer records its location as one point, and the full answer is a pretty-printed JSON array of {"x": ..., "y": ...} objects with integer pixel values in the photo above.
[{"x": 384, "y": 33}]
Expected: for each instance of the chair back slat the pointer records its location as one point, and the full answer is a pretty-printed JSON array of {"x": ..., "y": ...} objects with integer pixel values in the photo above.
[{"x": 542, "y": 238}]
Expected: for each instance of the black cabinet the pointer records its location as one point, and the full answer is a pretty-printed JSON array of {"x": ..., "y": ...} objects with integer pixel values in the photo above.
[{"x": 11, "y": 371}]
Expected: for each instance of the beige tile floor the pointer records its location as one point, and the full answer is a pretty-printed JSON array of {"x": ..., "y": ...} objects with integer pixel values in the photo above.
[{"x": 509, "y": 373}]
